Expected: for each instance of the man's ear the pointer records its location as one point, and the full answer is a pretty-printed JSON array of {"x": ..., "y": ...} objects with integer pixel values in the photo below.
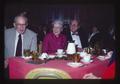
[
  {"x": 14, "y": 24},
  {"x": 78, "y": 26},
  {"x": 26, "y": 24}
]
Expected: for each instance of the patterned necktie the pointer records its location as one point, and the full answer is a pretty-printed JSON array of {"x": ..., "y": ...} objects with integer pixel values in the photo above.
[{"x": 19, "y": 46}]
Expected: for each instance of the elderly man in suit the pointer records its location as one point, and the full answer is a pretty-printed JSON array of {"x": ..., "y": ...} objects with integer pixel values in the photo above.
[
  {"x": 77, "y": 34},
  {"x": 19, "y": 38}
]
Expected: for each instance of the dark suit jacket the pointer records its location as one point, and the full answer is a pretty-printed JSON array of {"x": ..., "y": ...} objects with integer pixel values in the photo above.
[
  {"x": 109, "y": 42},
  {"x": 96, "y": 39},
  {"x": 104, "y": 40},
  {"x": 82, "y": 34}
]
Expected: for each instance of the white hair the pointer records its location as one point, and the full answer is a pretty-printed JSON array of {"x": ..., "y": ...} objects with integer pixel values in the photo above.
[{"x": 58, "y": 23}]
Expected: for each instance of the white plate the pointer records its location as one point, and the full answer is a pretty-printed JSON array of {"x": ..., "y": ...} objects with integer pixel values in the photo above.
[
  {"x": 74, "y": 64},
  {"x": 28, "y": 57},
  {"x": 86, "y": 62},
  {"x": 60, "y": 54}
]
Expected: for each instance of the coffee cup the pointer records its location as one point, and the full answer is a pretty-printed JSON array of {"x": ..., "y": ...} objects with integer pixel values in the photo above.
[
  {"x": 87, "y": 58},
  {"x": 82, "y": 54},
  {"x": 59, "y": 51}
]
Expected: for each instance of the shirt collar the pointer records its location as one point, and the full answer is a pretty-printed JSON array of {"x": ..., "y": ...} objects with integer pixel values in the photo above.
[{"x": 18, "y": 34}]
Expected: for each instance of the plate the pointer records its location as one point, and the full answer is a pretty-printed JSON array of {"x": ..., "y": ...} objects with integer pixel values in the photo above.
[
  {"x": 86, "y": 62},
  {"x": 28, "y": 57},
  {"x": 60, "y": 54},
  {"x": 74, "y": 64}
]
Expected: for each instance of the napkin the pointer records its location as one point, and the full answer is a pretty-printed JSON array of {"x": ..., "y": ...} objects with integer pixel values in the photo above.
[{"x": 109, "y": 54}]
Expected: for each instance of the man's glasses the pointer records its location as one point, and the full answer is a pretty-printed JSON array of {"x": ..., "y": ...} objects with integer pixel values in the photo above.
[{"x": 20, "y": 24}]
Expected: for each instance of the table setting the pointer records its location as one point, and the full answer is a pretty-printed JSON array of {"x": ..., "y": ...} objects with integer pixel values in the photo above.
[
  {"x": 68, "y": 60},
  {"x": 75, "y": 58}
]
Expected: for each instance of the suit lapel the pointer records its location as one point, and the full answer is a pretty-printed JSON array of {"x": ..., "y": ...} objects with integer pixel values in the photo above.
[
  {"x": 80, "y": 36},
  {"x": 26, "y": 40}
]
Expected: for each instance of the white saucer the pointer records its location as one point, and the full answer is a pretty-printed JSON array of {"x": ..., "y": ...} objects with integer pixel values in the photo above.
[
  {"x": 60, "y": 54},
  {"x": 74, "y": 64},
  {"x": 28, "y": 57},
  {"x": 86, "y": 62},
  {"x": 51, "y": 56}
]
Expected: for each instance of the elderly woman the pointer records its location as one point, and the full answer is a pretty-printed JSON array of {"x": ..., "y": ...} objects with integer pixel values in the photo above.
[{"x": 54, "y": 40}]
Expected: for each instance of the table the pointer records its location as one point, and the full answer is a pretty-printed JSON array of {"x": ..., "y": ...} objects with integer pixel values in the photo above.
[{"x": 19, "y": 68}]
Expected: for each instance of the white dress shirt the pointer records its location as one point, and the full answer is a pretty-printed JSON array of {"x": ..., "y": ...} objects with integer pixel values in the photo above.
[
  {"x": 77, "y": 40},
  {"x": 16, "y": 41}
]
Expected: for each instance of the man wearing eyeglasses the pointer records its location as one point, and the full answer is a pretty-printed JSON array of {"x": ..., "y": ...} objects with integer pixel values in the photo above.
[
  {"x": 77, "y": 34},
  {"x": 19, "y": 38}
]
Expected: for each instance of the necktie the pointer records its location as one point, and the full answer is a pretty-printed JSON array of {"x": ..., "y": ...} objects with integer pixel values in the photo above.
[{"x": 19, "y": 46}]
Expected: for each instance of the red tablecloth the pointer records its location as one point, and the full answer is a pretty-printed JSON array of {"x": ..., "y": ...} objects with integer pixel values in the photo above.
[{"x": 18, "y": 67}]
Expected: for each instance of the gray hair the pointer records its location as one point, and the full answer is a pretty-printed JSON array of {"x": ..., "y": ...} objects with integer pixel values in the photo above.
[{"x": 58, "y": 23}]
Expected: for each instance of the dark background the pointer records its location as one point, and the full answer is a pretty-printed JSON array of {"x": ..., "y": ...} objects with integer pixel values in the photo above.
[{"x": 102, "y": 15}]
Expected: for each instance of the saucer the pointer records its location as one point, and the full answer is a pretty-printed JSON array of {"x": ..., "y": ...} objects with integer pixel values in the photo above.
[
  {"x": 28, "y": 57},
  {"x": 86, "y": 62},
  {"x": 74, "y": 64},
  {"x": 60, "y": 54},
  {"x": 51, "y": 56}
]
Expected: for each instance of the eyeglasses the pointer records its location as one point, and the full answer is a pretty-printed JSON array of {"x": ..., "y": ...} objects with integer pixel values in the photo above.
[{"x": 20, "y": 24}]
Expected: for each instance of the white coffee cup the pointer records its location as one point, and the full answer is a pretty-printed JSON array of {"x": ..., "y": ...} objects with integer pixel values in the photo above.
[
  {"x": 82, "y": 54},
  {"x": 59, "y": 51},
  {"x": 43, "y": 56},
  {"x": 87, "y": 58}
]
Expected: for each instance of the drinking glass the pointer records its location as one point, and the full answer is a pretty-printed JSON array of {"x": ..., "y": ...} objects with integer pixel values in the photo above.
[{"x": 26, "y": 52}]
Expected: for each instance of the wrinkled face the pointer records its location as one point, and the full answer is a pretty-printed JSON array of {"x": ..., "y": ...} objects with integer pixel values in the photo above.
[
  {"x": 74, "y": 26},
  {"x": 20, "y": 24},
  {"x": 57, "y": 29}
]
